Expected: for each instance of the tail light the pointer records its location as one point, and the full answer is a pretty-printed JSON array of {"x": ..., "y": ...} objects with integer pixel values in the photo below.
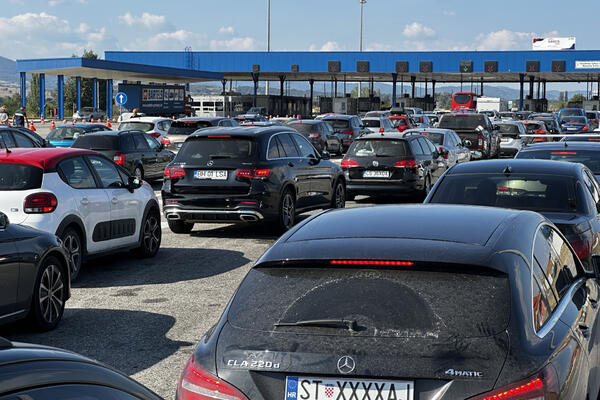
[
  {"x": 119, "y": 158},
  {"x": 582, "y": 247},
  {"x": 381, "y": 130},
  {"x": 539, "y": 132},
  {"x": 542, "y": 386},
  {"x": 406, "y": 164},
  {"x": 196, "y": 383},
  {"x": 348, "y": 132},
  {"x": 40, "y": 203},
  {"x": 155, "y": 135},
  {"x": 349, "y": 163},
  {"x": 585, "y": 128},
  {"x": 166, "y": 141},
  {"x": 174, "y": 173},
  {"x": 479, "y": 141},
  {"x": 252, "y": 173},
  {"x": 441, "y": 150},
  {"x": 314, "y": 135}
]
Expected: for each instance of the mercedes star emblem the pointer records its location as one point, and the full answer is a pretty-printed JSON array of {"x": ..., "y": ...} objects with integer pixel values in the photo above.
[
  {"x": 375, "y": 163},
  {"x": 346, "y": 365},
  {"x": 210, "y": 164}
]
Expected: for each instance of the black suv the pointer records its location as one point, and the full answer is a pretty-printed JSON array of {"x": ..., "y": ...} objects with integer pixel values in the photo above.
[
  {"x": 20, "y": 137},
  {"x": 392, "y": 164},
  {"x": 476, "y": 131},
  {"x": 319, "y": 133},
  {"x": 347, "y": 128},
  {"x": 136, "y": 151},
  {"x": 248, "y": 175}
]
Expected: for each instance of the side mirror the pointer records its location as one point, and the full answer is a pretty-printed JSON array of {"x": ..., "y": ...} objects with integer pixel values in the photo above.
[
  {"x": 134, "y": 183},
  {"x": 444, "y": 152},
  {"x": 595, "y": 272},
  {"x": 435, "y": 154},
  {"x": 325, "y": 155},
  {"x": 467, "y": 143},
  {"x": 3, "y": 221},
  {"x": 161, "y": 147}
]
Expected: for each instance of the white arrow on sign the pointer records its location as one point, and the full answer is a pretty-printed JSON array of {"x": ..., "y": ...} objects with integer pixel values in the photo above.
[{"x": 121, "y": 98}]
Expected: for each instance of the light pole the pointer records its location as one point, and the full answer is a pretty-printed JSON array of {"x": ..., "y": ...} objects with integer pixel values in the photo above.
[
  {"x": 362, "y": 3},
  {"x": 268, "y": 43}
]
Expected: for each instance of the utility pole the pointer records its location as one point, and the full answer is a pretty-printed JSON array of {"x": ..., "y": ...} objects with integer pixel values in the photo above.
[
  {"x": 268, "y": 42},
  {"x": 362, "y": 3}
]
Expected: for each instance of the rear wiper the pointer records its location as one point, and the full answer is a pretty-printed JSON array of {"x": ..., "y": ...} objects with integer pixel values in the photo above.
[
  {"x": 383, "y": 155},
  {"x": 351, "y": 325},
  {"x": 216, "y": 156}
]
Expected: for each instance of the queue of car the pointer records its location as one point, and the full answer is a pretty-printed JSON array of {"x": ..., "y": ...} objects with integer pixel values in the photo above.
[{"x": 501, "y": 303}]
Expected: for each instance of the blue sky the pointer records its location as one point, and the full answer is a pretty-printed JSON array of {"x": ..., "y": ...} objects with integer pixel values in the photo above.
[{"x": 56, "y": 28}]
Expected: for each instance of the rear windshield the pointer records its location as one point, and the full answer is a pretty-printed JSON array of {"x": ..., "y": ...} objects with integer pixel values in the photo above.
[
  {"x": 398, "y": 122},
  {"x": 567, "y": 113},
  {"x": 339, "y": 123},
  {"x": 136, "y": 126},
  {"x": 470, "y": 122},
  {"x": 371, "y": 123},
  {"x": 576, "y": 120},
  {"x": 204, "y": 149},
  {"x": 20, "y": 177},
  {"x": 591, "y": 115},
  {"x": 589, "y": 158},
  {"x": 462, "y": 98},
  {"x": 508, "y": 130},
  {"x": 379, "y": 148},
  {"x": 304, "y": 128},
  {"x": 383, "y": 303},
  {"x": 533, "y": 127},
  {"x": 97, "y": 142},
  {"x": 523, "y": 192},
  {"x": 187, "y": 127},
  {"x": 507, "y": 114},
  {"x": 66, "y": 133},
  {"x": 436, "y": 138}
]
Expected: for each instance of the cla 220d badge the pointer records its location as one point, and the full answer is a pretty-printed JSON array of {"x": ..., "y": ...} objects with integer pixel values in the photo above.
[{"x": 346, "y": 364}]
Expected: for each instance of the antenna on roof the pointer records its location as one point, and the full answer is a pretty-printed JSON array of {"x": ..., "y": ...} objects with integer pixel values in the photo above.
[{"x": 508, "y": 170}]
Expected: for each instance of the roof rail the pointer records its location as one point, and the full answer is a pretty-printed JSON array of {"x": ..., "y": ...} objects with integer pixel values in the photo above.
[{"x": 5, "y": 343}]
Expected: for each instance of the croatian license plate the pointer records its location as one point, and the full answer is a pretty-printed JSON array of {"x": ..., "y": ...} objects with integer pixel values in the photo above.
[
  {"x": 376, "y": 174},
  {"x": 571, "y": 129},
  {"x": 311, "y": 388},
  {"x": 210, "y": 174}
]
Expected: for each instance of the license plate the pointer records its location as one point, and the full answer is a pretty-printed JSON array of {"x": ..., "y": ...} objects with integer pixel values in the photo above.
[
  {"x": 311, "y": 388},
  {"x": 376, "y": 174},
  {"x": 504, "y": 140},
  {"x": 571, "y": 129},
  {"x": 210, "y": 174}
]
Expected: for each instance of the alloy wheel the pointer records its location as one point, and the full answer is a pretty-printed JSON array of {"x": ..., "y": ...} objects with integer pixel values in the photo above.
[
  {"x": 288, "y": 211},
  {"x": 73, "y": 248},
  {"x": 340, "y": 196},
  {"x": 51, "y": 293},
  {"x": 151, "y": 234}
]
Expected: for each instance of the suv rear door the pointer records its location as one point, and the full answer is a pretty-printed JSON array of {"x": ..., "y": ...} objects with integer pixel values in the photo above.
[{"x": 320, "y": 176}]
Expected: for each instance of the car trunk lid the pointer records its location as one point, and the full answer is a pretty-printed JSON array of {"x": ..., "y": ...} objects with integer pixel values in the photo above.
[{"x": 17, "y": 181}]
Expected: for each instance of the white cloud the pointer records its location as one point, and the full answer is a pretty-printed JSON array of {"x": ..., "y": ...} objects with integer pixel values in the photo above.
[
  {"x": 328, "y": 46},
  {"x": 504, "y": 40},
  {"x": 226, "y": 30},
  {"x": 237, "y": 43},
  {"x": 417, "y": 30},
  {"x": 54, "y": 3},
  {"x": 45, "y": 35},
  {"x": 176, "y": 40},
  {"x": 150, "y": 21}
]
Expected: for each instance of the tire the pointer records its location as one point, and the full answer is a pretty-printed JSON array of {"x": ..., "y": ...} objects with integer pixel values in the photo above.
[
  {"x": 138, "y": 172},
  {"x": 178, "y": 226},
  {"x": 151, "y": 236},
  {"x": 426, "y": 188},
  {"x": 287, "y": 210},
  {"x": 74, "y": 247},
  {"x": 49, "y": 295},
  {"x": 338, "y": 197}
]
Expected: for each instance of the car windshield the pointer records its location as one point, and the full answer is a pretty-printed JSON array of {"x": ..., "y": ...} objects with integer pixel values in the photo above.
[
  {"x": 371, "y": 123},
  {"x": 531, "y": 128},
  {"x": 204, "y": 149},
  {"x": 523, "y": 191},
  {"x": 66, "y": 133},
  {"x": 389, "y": 303},
  {"x": 398, "y": 122},
  {"x": 187, "y": 127},
  {"x": 87, "y": 109},
  {"x": 589, "y": 158},
  {"x": 573, "y": 120},
  {"x": 507, "y": 115},
  {"x": 97, "y": 142},
  {"x": 136, "y": 126},
  {"x": 20, "y": 177},
  {"x": 338, "y": 123},
  {"x": 436, "y": 137},
  {"x": 378, "y": 148},
  {"x": 570, "y": 113},
  {"x": 508, "y": 130},
  {"x": 467, "y": 122},
  {"x": 462, "y": 98},
  {"x": 304, "y": 128}
]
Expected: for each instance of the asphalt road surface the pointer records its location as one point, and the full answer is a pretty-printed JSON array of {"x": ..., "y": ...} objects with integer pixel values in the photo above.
[{"x": 144, "y": 317}]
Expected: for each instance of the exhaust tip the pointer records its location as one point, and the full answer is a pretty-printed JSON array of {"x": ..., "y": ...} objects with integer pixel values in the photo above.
[
  {"x": 248, "y": 218},
  {"x": 173, "y": 217}
]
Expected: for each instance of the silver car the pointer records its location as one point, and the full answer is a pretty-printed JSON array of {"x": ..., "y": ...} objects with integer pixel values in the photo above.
[
  {"x": 510, "y": 137},
  {"x": 89, "y": 113},
  {"x": 445, "y": 139}
]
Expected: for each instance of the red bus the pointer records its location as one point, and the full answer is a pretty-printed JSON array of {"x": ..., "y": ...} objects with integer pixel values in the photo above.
[{"x": 462, "y": 100}]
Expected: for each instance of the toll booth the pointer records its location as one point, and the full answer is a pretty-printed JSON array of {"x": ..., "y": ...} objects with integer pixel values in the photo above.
[
  {"x": 535, "y": 105},
  {"x": 349, "y": 105},
  {"x": 427, "y": 103},
  {"x": 590, "y": 105}
]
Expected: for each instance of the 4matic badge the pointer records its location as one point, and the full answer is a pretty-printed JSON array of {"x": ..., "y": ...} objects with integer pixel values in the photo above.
[{"x": 468, "y": 374}]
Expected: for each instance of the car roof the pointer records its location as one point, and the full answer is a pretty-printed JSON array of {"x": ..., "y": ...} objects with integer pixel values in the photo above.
[
  {"x": 386, "y": 135},
  {"x": 340, "y": 116},
  {"x": 401, "y": 232},
  {"x": 80, "y": 125},
  {"x": 428, "y": 130},
  {"x": 517, "y": 166},
  {"x": 373, "y": 118},
  {"x": 305, "y": 121},
  {"x": 145, "y": 119},
  {"x": 45, "y": 158},
  {"x": 201, "y": 119},
  {"x": 566, "y": 146},
  {"x": 114, "y": 133},
  {"x": 250, "y": 131}
]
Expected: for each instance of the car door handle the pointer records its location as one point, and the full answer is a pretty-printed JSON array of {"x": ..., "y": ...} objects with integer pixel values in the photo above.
[
  {"x": 85, "y": 201},
  {"x": 114, "y": 200},
  {"x": 291, "y": 164},
  {"x": 584, "y": 329}
]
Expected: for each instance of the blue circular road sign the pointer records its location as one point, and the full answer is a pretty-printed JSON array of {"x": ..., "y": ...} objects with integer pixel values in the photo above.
[{"x": 121, "y": 98}]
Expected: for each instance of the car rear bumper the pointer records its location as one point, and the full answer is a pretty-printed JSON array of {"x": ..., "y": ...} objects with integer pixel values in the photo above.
[
  {"x": 209, "y": 215},
  {"x": 509, "y": 150},
  {"x": 375, "y": 188}
]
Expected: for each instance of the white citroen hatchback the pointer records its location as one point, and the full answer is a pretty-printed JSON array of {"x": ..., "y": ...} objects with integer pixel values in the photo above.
[{"x": 90, "y": 203}]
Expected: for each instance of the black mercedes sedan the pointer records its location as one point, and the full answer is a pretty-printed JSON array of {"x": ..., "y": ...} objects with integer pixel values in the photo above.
[
  {"x": 33, "y": 372},
  {"x": 392, "y": 164},
  {"x": 379, "y": 303},
  {"x": 34, "y": 276},
  {"x": 566, "y": 193},
  {"x": 243, "y": 174}
]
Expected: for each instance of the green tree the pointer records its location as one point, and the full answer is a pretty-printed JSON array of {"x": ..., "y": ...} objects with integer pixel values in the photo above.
[
  {"x": 33, "y": 100},
  {"x": 12, "y": 103},
  {"x": 577, "y": 98},
  {"x": 70, "y": 89},
  {"x": 364, "y": 91}
]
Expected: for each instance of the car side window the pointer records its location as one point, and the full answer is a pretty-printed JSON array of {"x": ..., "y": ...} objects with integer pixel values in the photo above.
[
  {"x": 273, "y": 151},
  {"x": 140, "y": 142},
  {"x": 127, "y": 143},
  {"x": 592, "y": 186},
  {"x": 75, "y": 172},
  {"x": 288, "y": 146},
  {"x": 22, "y": 140},
  {"x": 541, "y": 309},
  {"x": 7, "y": 138},
  {"x": 152, "y": 143},
  {"x": 306, "y": 149},
  {"x": 429, "y": 144},
  {"x": 416, "y": 148},
  {"x": 107, "y": 171},
  {"x": 558, "y": 267}
]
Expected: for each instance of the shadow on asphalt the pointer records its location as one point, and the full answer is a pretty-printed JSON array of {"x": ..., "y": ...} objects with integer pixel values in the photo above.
[
  {"x": 168, "y": 266},
  {"x": 378, "y": 200},
  {"x": 119, "y": 338}
]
